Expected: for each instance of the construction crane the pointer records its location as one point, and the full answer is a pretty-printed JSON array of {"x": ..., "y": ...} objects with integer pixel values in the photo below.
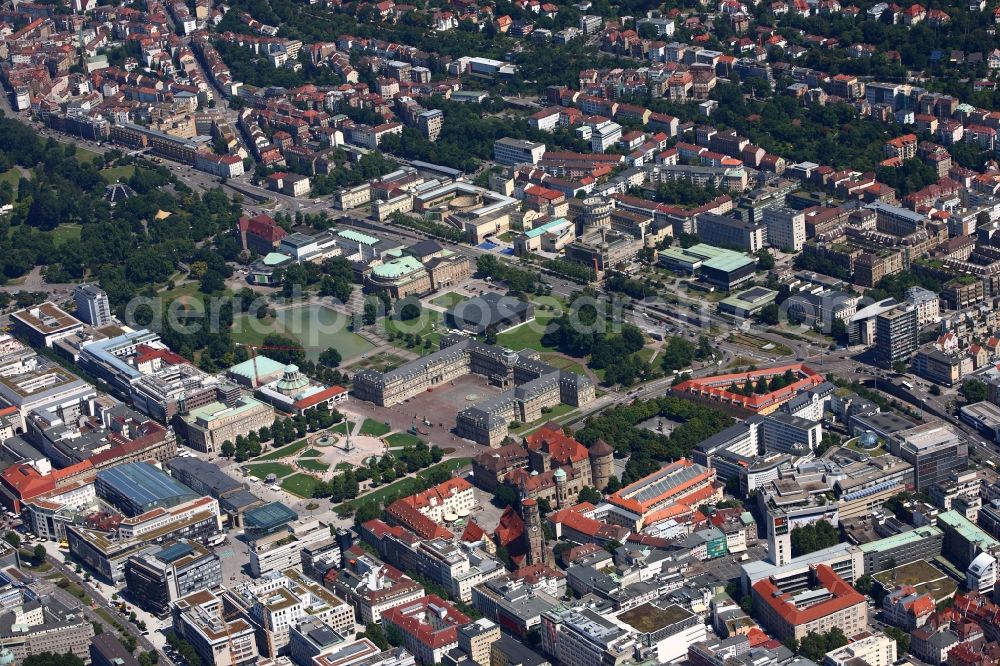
[{"x": 254, "y": 381}]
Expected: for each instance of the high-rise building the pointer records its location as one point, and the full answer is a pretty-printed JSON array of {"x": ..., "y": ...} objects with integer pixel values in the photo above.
[
  {"x": 895, "y": 336},
  {"x": 934, "y": 449},
  {"x": 92, "y": 305},
  {"x": 786, "y": 228}
]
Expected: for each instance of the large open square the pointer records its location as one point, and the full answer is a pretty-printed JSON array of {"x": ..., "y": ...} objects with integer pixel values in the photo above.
[{"x": 441, "y": 404}]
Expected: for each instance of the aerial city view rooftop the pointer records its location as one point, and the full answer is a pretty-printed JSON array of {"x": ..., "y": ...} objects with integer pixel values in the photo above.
[{"x": 499, "y": 333}]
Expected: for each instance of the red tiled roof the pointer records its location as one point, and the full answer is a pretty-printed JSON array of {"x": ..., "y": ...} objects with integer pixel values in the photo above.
[
  {"x": 408, "y": 517},
  {"x": 843, "y": 596},
  {"x": 263, "y": 225},
  {"x": 510, "y": 529},
  {"x": 318, "y": 397},
  {"x": 563, "y": 449},
  {"x": 407, "y": 618}
]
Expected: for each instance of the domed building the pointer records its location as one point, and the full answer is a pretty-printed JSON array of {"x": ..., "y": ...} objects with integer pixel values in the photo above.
[
  {"x": 602, "y": 463},
  {"x": 292, "y": 382},
  {"x": 294, "y": 393},
  {"x": 868, "y": 440}
]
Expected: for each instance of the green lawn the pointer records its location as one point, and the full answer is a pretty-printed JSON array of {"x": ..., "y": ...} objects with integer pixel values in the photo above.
[
  {"x": 253, "y": 333},
  {"x": 755, "y": 342},
  {"x": 428, "y": 326},
  {"x": 563, "y": 363},
  {"x": 401, "y": 488},
  {"x": 555, "y": 413},
  {"x": 448, "y": 300},
  {"x": 400, "y": 439},
  {"x": 316, "y": 328},
  {"x": 284, "y": 451},
  {"x": 373, "y": 428},
  {"x": 84, "y": 155},
  {"x": 261, "y": 470},
  {"x": 188, "y": 293},
  {"x": 66, "y": 233},
  {"x": 118, "y": 173},
  {"x": 300, "y": 484},
  {"x": 528, "y": 335},
  {"x": 311, "y": 453},
  {"x": 313, "y": 465},
  {"x": 12, "y": 176},
  {"x": 383, "y": 362}
]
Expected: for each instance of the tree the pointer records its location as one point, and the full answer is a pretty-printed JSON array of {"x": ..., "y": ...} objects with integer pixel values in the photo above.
[
  {"x": 765, "y": 260},
  {"x": 864, "y": 584},
  {"x": 150, "y": 658},
  {"x": 376, "y": 635},
  {"x": 901, "y": 637},
  {"x": 367, "y": 510},
  {"x": 974, "y": 390},
  {"x": 813, "y": 537},
  {"x": 12, "y": 538},
  {"x": 409, "y": 311},
  {"x": 228, "y": 450},
  {"x": 370, "y": 311},
  {"x": 39, "y": 552},
  {"x": 589, "y": 494},
  {"x": 330, "y": 357},
  {"x": 394, "y": 636},
  {"x": 770, "y": 314}
]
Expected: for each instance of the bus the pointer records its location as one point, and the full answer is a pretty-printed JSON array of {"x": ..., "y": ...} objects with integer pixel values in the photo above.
[{"x": 907, "y": 385}]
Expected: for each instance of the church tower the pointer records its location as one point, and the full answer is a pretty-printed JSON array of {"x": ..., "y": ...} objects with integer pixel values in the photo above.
[{"x": 533, "y": 535}]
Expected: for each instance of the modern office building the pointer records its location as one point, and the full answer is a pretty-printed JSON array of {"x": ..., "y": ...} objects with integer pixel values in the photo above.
[
  {"x": 512, "y": 152},
  {"x": 895, "y": 336},
  {"x": 584, "y": 637},
  {"x": 784, "y": 433},
  {"x": 281, "y": 549},
  {"x": 162, "y": 575},
  {"x": 44, "y": 324},
  {"x": 828, "y": 602},
  {"x": 876, "y": 649},
  {"x": 922, "y": 543},
  {"x": 92, "y": 305},
  {"x": 935, "y": 450},
  {"x": 199, "y": 619},
  {"x": 722, "y": 268},
  {"x": 786, "y": 228},
  {"x": 730, "y": 232}
]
